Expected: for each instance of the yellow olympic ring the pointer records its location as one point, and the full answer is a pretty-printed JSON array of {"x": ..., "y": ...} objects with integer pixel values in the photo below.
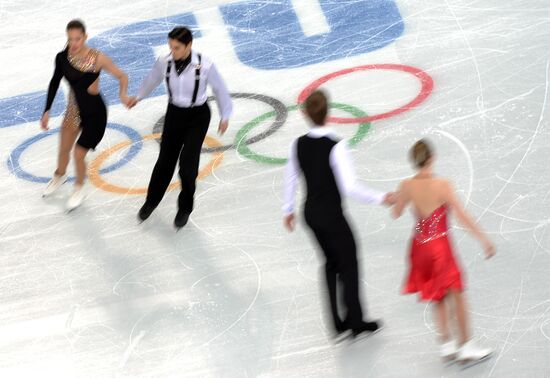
[{"x": 97, "y": 180}]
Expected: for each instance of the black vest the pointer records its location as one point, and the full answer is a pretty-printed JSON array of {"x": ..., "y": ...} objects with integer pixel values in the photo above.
[{"x": 323, "y": 197}]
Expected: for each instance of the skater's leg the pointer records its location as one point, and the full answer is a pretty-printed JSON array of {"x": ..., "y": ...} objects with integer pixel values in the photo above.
[
  {"x": 70, "y": 129},
  {"x": 189, "y": 159},
  {"x": 80, "y": 164},
  {"x": 67, "y": 138},
  {"x": 75, "y": 200},
  {"x": 461, "y": 316},
  {"x": 448, "y": 346},
  {"x": 170, "y": 148},
  {"x": 469, "y": 351},
  {"x": 343, "y": 243},
  {"x": 68, "y": 134},
  {"x": 331, "y": 269},
  {"x": 332, "y": 285},
  {"x": 442, "y": 318}
]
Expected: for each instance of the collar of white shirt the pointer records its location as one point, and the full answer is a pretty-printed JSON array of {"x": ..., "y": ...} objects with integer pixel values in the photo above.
[
  {"x": 321, "y": 131},
  {"x": 194, "y": 60}
]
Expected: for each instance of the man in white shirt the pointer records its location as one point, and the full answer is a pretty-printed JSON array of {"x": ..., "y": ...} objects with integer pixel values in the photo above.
[
  {"x": 325, "y": 163},
  {"x": 186, "y": 122}
]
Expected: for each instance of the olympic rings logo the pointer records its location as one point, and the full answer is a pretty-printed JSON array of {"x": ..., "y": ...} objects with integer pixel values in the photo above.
[
  {"x": 97, "y": 179},
  {"x": 242, "y": 142}
]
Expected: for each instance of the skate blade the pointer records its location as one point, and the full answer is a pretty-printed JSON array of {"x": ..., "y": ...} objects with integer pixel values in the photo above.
[
  {"x": 365, "y": 335},
  {"x": 450, "y": 360},
  {"x": 68, "y": 211},
  {"x": 342, "y": 337},
  {"x": 44, "y": 195},
  {"x": 466, "y": 364}
]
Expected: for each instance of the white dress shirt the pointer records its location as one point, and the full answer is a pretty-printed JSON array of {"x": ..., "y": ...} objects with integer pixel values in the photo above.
[
  {"x": 182, "y": 85},
  {"x": 342, "y": 168}
]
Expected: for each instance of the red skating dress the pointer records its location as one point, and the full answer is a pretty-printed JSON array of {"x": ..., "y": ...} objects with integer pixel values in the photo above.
[{"x": 433, "y": 269}]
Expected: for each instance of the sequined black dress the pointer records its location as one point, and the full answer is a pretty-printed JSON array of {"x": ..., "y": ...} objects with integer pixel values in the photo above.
[{"x": 92, "y": 111}]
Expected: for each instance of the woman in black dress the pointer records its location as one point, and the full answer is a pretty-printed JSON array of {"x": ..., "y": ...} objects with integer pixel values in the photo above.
[{"x": 86, "y": 115}]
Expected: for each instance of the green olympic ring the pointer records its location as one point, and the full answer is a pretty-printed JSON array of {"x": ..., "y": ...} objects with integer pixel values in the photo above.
[{"x": 245, "y": 150}]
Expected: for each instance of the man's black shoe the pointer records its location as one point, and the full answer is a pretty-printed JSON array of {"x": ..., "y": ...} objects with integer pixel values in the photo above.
[
  {"x": 367, "y": 329},
  {"x": 145, "y": 211},
  {"x": 181, "y": 219}
]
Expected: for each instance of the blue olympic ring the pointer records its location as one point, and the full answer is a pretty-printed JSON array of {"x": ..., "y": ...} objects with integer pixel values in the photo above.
[{"x": 15, "y": 156}]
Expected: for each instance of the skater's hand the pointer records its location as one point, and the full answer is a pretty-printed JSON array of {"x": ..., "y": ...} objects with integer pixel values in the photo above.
[
  {"x": 44, "y": 121},
  {"x": 390, "y": 199},
  {"x": 489, "y": 249},
  {"x": 124, "y": 99},
  {"x": 132, "y": 101},
  {"x": 222, "y": 127},
  {"x": 289, "y": 222}
]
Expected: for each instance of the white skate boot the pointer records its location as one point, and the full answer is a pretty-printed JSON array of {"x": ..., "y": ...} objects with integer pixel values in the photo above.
[
  {"x": 54, "y": 184},
  {"x": 76, "y": 199},
  {"x": 470, "y": 353},
  {"x": 448, "y": 350}
]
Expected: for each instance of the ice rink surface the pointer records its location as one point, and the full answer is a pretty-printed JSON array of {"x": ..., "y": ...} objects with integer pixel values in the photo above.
[{"x": 95, "y": 294}]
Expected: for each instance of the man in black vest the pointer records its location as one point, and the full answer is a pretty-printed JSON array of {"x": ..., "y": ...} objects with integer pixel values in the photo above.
[{"x": 325, "y": 163}]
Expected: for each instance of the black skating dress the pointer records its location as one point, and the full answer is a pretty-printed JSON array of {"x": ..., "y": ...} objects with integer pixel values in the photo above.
[{"x": 92, "y": 112}]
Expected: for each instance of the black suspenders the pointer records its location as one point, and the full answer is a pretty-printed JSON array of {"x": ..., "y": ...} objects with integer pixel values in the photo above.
[
  {"x": 168, "y": 68},
  {"x": 197, "y": 80}
]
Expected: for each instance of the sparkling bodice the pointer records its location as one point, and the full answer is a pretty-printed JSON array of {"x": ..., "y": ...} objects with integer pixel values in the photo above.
[
  {"x": 86, "y": 63},
  {"x": 432, "y": 227}
]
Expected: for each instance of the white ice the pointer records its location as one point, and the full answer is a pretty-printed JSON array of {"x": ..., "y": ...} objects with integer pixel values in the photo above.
[{"x": 95, "y": 294}]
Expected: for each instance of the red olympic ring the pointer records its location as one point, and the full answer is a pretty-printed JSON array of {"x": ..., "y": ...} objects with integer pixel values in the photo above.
[{"x": 425, "y": 80}]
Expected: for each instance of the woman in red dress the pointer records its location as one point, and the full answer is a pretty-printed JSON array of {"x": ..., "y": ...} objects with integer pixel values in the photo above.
[{"x": 434, "y": 272}]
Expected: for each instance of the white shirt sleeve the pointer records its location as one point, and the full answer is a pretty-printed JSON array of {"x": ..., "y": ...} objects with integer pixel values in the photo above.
[
  {"x": 223, "y": 99},
  {"x": 292, "y": 171},
  {"x": 342, "y": 166},
  {"x": 153, "y": 79}
]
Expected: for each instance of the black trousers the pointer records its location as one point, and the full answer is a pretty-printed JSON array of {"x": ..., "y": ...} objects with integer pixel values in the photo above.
[
  {"x": 336, "y": 240},
  {"x": 182, "y": 138}
]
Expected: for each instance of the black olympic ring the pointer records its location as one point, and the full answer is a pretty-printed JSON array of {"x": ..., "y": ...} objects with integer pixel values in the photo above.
[{"x": 280, "y": 119}]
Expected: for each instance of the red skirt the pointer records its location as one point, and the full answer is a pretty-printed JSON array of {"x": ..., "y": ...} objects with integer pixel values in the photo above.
[{"x": 433, "y": 270}]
